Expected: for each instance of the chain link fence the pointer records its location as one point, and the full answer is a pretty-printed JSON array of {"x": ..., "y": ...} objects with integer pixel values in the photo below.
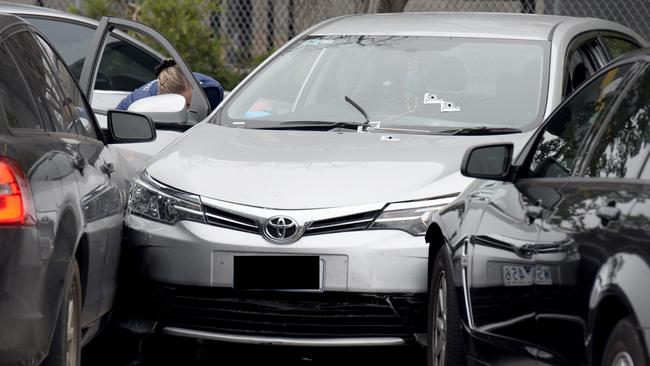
[{"x": 252, "y": 29}]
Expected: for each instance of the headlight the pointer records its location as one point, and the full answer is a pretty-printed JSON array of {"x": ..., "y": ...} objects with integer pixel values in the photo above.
[
  {"x": 413, "y": 217},
  {"x": 155, "y": 201}
]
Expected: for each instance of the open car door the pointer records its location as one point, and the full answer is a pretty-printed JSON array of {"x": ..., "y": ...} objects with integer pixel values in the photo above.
[{"x": 98, "y": 57}]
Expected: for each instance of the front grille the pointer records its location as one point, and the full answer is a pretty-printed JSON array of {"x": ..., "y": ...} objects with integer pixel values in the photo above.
[
  {"x": 344, "y": 223},
  {"x": 229, "y": 220},
  {"x": 286, "y": 314}
]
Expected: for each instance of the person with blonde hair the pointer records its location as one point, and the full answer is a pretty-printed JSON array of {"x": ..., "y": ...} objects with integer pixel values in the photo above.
[{"x": 170, "y": 79}]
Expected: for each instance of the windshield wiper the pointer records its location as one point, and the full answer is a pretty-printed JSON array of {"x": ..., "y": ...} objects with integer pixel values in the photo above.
[
  {"x": 483, "y": 130},
  {"x": 366, "y": 124},
  {"x": 320, "y": 125}
]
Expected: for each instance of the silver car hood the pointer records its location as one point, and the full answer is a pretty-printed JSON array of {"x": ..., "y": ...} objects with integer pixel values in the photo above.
[{"x": 283, "y": 169}]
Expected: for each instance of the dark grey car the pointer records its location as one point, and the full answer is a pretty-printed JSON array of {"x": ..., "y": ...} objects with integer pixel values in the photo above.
[
  {"x": 62, "y": 198},
  {"x": 546, "y": 260}
]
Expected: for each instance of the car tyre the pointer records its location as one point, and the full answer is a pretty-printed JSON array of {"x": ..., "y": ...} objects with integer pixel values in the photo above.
[
  {"x": 624, "y": 346},
  {"x": 65, "y": 349},
  {"x": 445, "y": 344}
]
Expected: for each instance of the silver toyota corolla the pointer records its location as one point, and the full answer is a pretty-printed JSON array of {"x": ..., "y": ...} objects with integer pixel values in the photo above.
[{"x": 297, "y": 212}]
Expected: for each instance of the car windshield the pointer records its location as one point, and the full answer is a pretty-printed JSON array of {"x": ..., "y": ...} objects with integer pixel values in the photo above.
[{"x": 413, "y": 83}]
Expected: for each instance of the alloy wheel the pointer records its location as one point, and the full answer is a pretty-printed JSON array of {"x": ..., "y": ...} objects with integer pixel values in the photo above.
[{"x": 440, "y": 323}]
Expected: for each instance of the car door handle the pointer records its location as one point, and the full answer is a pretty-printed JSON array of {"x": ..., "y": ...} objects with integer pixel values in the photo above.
[{"x": 608, "y": 213}]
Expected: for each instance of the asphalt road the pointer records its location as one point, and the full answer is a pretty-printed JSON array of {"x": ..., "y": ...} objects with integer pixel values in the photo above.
[{"x": 115, "y": 348}]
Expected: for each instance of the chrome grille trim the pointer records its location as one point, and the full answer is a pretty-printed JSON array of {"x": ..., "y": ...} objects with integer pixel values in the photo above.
[{"x": 356, "y": 222}]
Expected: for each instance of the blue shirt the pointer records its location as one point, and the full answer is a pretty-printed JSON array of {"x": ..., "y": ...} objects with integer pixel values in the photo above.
[{"x": 212, "y": 89}]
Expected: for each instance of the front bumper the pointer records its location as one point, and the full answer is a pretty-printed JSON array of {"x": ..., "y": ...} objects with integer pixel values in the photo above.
[
  {"x": 373, "y": 286},
  {"x": 279, "y": 318},
  {"x": 191, "y": 253}
]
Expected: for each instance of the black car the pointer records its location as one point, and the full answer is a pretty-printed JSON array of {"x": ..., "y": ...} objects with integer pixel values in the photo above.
[
  {"x": 547, "y": 260},
  {"x": 62, "y": 199}
]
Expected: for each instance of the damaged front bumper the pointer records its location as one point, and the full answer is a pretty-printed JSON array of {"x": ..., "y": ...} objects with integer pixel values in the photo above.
[{"x": 279, "y": 318}]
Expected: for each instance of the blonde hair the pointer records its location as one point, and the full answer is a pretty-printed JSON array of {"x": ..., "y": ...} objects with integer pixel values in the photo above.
[{"x": 172, "y": 80}]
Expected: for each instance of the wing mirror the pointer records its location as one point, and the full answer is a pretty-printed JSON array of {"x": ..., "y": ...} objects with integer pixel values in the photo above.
[
  {"x": 162, "y": 108},
  {"x": 488, "y": 162},
  {"x": 128, "y": 127}
]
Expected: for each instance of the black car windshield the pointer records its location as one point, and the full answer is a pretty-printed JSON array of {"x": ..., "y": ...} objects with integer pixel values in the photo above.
[{"x": 413, "y": 83}]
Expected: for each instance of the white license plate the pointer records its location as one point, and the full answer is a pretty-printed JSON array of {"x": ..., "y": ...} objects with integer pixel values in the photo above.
[
  {"x": 517, "y": 275},
  {"x": 543, "y": 275},
  {"x": 526, "y": 275}
]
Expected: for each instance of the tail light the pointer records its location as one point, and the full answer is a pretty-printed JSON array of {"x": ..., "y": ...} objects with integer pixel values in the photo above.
[{"x": 16, "y": 206}]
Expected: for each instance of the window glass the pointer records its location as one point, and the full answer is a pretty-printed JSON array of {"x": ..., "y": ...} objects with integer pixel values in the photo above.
[
  {"x": 75, "y": 116},
  {"x": 123, "y": 67},
  {"x": 565, "y": 134},
  {"x": 578, "y": 69},
  {"x": 625, "y": 142},
  {"x": 419, "y": 83},
  {"x": 618, "y": 46},
  {"x": 70, "y": 40},
  {"x": 41, "y": 81},
  {"x": 16, "y": 104}
]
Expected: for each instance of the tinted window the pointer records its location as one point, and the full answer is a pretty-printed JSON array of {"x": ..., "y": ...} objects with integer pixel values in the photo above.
[
  {"x": 75, "y": 116},
  {"x": 71, "y": 40},
  {"x": 123, "y": 67},
  {"x": 564, "y": 135},
  {"x": 16, "y": 104},
  {"x": 618, "y": 46},
  {"x": 41, "y": 80},
  {"x": 578, "y": 69},
  {"x": 625, "y": 142}
]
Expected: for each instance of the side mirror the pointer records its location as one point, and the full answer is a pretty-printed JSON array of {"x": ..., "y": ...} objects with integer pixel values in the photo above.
[
  {"x": 488, "y": 162},
  {"x": 128, "y": 127},
  {"x": 162, "y": 108}
]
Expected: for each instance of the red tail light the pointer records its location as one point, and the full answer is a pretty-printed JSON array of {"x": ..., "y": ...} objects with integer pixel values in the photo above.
[{"x": 15, "y": 196}]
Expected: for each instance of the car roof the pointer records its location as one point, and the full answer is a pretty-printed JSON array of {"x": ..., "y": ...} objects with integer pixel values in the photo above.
[
  {"x": 478, "y": 25},
  {"x": 22, "y": 10},
  {"x": 8, "y": 19}
]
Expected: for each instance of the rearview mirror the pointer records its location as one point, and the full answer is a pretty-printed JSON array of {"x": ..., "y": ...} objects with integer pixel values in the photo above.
[
  {"x": 162, "y": 108},
  {"x": 129, "y": 127},
  {"x": 488, "y": 162}
]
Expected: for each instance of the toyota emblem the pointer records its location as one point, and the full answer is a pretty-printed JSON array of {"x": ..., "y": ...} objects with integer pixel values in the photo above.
[{"x": 281, "y": 229}]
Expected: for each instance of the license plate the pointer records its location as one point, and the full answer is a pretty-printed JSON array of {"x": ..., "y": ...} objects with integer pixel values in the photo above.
[
  {"x": 517, "y": 275},
  {"x": 543, "y": 275},
  {"x": 526, "y": 275},
  {"x": 278, "y": 272}
]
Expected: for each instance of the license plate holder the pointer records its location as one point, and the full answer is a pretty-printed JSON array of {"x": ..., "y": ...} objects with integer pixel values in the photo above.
[{"x": 278, "y": 272}]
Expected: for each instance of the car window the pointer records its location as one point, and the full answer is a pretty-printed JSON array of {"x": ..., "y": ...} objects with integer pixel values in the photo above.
[
  {"x": 41, "y": 80},
  {"x": 563, "y": 137},
  {"x": 408, "y": 82},
  {"x": 625, "y": 141},
  {"x": 75, "y": 116},
  {"x": 618, "y": 46},
  {"x": 580, "y": 66},
  {"x": 16, "y": 104},
  {"x": 124, "y": 67}
]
